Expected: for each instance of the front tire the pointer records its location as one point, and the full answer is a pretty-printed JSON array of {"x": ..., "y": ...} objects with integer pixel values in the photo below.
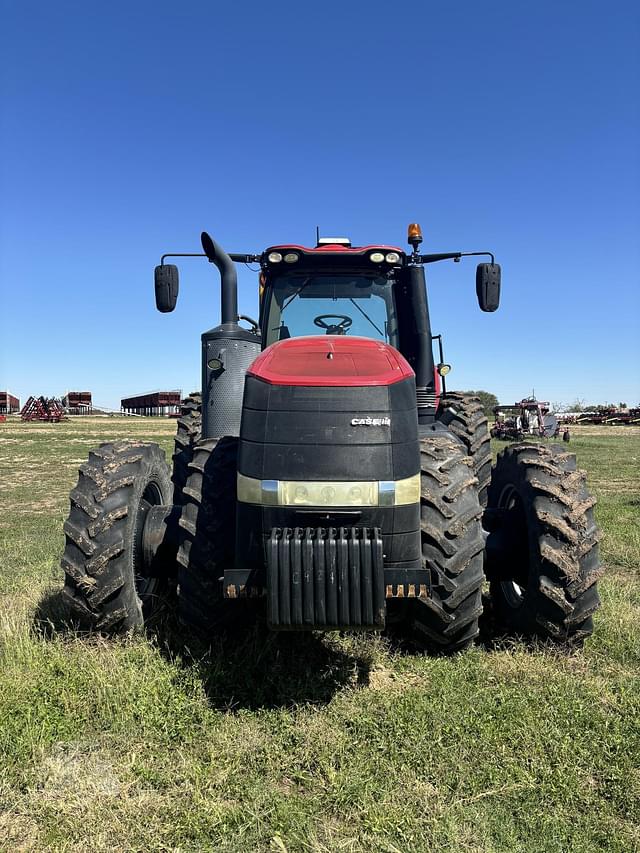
[
  {"x": 207, "y": 536},
  {"x": 452, "y": 546},
  {"x": 545, "y": 567},
  {"x": 107, "y": 586}
]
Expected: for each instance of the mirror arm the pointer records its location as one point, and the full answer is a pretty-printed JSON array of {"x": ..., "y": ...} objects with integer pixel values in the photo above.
[
  {"x": 241, "y": 258},
  {"x": 455, "y": 256},
  {"x": 181, "y": 255},
  {"x": 440, "y": 349},
  {"x": 238, "y": 258}
]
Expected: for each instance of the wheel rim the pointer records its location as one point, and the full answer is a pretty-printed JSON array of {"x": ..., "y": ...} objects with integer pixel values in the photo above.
[
  {"x": 145, "y": 582},
  {"x": 514, "y": 589}
]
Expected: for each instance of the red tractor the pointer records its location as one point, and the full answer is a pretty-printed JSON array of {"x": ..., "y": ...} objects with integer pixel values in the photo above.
[
  {"x": 324, "y": 478},
  {"x": 529, "y": 417}
]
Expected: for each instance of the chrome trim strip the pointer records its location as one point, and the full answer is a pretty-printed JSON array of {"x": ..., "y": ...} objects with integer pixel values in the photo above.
[{"x": 383, "y": 493}]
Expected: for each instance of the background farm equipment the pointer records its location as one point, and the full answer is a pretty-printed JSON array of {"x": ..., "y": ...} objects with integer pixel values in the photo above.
[
  {"x": 529, "y": 417},
  {"x": 610, "y": 415},
  {"x": 48, "y": 409}
]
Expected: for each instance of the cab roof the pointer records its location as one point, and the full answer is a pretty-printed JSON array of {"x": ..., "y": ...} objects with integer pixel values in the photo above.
[
  {"x": 333, "y": 257},
  {"x": 331, "y": 249}
]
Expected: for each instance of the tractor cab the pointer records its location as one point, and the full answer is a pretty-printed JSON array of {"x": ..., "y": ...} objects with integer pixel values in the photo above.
[
  {"x": 332, "y": 289},
  {"x": 336, "y": 290}
]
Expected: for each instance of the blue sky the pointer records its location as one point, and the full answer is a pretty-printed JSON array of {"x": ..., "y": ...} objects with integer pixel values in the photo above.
[{"x": 127, "y": 128}]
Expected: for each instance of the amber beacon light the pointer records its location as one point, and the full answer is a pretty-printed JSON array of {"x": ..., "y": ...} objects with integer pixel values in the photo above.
[{"x": 414, "y": 233}]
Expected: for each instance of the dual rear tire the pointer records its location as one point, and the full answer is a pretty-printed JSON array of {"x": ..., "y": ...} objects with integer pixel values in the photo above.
[
  {"x": 464, "y": 417},
  {"x": 108, "y": 584},
  {"x": 545, "y": 568},
  {"x": 542, "y": 562},
  {"x": 188, "y": 432}
]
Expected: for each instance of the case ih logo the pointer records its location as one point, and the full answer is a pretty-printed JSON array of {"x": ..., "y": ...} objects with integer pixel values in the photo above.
[{"x": 370, "y": 421}]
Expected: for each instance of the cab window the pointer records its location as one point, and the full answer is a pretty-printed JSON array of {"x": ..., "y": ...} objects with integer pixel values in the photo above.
[{"x": 327, "y": 304}]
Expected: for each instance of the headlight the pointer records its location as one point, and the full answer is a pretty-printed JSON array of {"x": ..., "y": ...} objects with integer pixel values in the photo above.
[
  {"x": 376, "y": 257},
  {"x": 274, "y": 257},
  {"x": 313, "y": 493},
  {"x": 291, "y": 257},
  {"x": 392, "y": 258}
]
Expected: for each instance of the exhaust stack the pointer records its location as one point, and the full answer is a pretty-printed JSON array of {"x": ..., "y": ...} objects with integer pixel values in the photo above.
[
  {"x": 228, "y": 279},
  {"x": 227, "y": 352}
]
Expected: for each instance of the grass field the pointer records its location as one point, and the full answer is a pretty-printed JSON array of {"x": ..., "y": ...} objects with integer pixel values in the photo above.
[{"x": 306, "y": 743}]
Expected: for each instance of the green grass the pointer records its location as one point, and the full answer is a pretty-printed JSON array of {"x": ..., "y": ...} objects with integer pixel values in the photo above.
[{"x": 305, "y": 742}]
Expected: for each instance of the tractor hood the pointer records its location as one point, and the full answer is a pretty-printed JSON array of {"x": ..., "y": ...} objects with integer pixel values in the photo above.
[
  {"x": 329, "y": 438},
  {"x": 331, "y": 360}
]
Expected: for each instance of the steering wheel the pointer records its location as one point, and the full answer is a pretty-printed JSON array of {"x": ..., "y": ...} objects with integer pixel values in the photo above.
[{"x": 339, "y": 328}]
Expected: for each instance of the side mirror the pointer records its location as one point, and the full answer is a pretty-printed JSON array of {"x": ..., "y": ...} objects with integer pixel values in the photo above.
[
  {"x": 166, "y": 283},
  {"x": 488, "y": 286}
]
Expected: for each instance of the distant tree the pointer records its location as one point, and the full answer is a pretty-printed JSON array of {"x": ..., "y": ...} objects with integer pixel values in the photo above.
[
  {"x": 577, "y": 405},
  {"x": 487, "y": 399}
]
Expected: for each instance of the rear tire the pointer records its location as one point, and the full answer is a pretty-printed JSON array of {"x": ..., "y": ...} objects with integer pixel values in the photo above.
[
  {"x": 105, "y": 584},
  {"x": 452, "y": 546},
  {"x": 188, "y": 433},
  {"x": 207, "y": 536},
  {"x": 543, "y": 580},
  {"x": 464, "y": 416}
]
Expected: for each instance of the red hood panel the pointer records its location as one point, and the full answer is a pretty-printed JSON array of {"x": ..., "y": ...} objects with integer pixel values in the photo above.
[{"x": 330, "y": 360}]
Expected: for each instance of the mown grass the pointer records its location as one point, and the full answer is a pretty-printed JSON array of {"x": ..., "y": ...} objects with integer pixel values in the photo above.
[{"x": 305, "y": 742}]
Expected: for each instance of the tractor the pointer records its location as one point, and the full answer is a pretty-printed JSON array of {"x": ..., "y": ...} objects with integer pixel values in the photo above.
[
  {"x": 529, "y": 417},
  {"x": 325, "y": 479}
]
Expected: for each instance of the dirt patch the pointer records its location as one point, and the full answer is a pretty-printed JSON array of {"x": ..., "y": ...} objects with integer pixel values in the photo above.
[
  {"x": 74, "y": 773},
  {"x": 18, "y": 831},
  {"x": 381, "y": 678}
]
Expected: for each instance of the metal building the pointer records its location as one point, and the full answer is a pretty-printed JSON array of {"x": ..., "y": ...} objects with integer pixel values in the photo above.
[
  {"x": 78, "y": 402},
  {"x": 9, "y": 405},
  {"x": 155, "y": 403}
]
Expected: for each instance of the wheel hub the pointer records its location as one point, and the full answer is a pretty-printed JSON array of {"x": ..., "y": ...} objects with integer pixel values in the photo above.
[
  {"x": 156, "y": 541},
  {"x": 508, "y": 545}
]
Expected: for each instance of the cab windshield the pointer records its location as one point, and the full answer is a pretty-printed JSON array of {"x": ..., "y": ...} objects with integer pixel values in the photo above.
[{"x": 325, "y": 304}]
